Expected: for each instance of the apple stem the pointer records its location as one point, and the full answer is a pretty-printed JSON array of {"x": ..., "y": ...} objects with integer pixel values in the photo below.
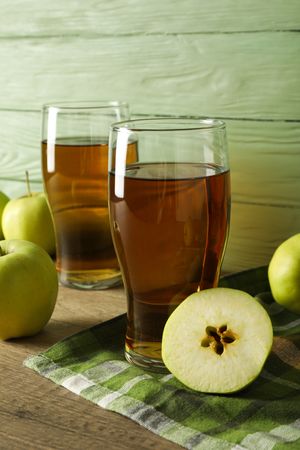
[{"x": 28, "y": 184}]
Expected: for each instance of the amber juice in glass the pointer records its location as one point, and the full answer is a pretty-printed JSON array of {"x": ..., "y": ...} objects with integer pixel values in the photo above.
[
  {"x": 170, "y": 219},
  {"x": 74, "y": 166}
]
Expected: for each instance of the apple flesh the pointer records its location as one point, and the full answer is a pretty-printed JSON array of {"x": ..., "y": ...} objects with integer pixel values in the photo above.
[
  {"x": 284, "y": 274},
  {"x": 217, "y": 340},
  {"x": 29, "y": 218},
  {"x": 29, "y": 281},
  {"x": 3, "y": 200}
]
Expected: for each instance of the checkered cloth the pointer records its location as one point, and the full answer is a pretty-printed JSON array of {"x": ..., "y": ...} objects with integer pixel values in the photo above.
[{"x": 264, "y": 416}]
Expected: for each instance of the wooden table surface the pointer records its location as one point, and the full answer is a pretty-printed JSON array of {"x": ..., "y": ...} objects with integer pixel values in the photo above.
[{"x": 37, "y": 414}]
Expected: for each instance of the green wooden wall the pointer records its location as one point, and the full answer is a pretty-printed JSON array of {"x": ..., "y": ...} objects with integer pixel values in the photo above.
[{"x": 236, "y": 59}]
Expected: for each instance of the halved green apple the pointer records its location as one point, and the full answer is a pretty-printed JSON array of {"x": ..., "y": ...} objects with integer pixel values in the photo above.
[{"x": 217, "y": 340}]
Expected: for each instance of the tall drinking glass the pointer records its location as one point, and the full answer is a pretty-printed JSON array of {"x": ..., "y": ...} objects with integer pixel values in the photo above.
[
  {"x": 169, "y": 213},
  {"x": 74, "y": 167}
]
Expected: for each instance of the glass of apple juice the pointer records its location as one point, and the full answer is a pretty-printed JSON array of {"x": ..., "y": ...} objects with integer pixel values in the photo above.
[
  {"x": 74, "y": 168},
  {"x": 169, "y": 216}
]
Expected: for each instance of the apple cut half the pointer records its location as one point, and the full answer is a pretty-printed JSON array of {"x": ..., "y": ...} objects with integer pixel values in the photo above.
[{"x": 217, "y": 340}]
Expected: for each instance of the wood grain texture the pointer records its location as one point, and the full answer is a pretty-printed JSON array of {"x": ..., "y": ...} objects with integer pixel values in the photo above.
[
  {"x": 37, "y": 414},
  {"x": 265, "y": 162},
  {"x": 116, "y": 17},
  {"x": 255, "y": 233},
  {"x": 251, "y": 76},
  {"x": 264, "y": 158}
]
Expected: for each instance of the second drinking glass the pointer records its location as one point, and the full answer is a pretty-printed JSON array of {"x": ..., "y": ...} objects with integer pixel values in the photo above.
[
  {"x": 169, "y": 213},
  {"x": 74, "y": 166}
]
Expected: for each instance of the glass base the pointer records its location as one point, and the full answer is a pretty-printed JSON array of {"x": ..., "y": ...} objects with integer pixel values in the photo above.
[
  {"x": 154, "y": 365},
  {"x": 90, "y": 280}
]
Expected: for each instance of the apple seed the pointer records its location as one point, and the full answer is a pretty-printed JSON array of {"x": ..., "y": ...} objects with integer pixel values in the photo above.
[{"x": 217, "y": 338}]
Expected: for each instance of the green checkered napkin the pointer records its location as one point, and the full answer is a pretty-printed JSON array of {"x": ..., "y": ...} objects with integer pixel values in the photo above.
[{"x": 264, "y": 416}]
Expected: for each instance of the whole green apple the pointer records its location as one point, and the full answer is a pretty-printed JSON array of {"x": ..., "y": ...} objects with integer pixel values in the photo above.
[
  {"x": 3, "y": 200},
  {"x": 284, "y": 274},
  {"x": 28, "y": 279},
  {"x": 29, "y": 218}
]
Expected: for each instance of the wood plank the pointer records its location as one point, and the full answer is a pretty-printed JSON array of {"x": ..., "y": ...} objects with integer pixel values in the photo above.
[
  {"x": 265, "y": 162},
  {"x": 255, "y": 233},
  {"x": 17, "y": 188},
  {"x": 264, "y": 158},
  {"x": 37, "y": 414},
  {"x": 20, "y": 137},
  {"x": 73, "y": 17},
  {"x": 255, "y": 75}
]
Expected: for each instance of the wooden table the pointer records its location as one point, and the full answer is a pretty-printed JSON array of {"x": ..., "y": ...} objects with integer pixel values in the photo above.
[{"x": 37, "y": 414}]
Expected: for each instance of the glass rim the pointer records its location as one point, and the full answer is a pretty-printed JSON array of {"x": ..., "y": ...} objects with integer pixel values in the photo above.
[
  {"x": 84, "y": 105},
  {"x": 167, "y": 123}
]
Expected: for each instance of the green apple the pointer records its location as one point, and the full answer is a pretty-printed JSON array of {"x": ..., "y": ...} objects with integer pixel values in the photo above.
[
  {"x": 29, "y": 218},
  {"x": 29, "y": 286},
  {"x": 217, "y": 340},
  {"x": 3, "y": 200},
  {"x": 284, "y": 274}
]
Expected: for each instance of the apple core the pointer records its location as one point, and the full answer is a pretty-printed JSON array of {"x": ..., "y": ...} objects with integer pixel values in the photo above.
[{"x": 218, "y": 338}]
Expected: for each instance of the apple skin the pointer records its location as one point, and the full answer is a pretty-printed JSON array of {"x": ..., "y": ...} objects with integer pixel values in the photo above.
[
  {"x": 29, "y": 218},
  {"x": 29, "y": 280},
  {"x": 284, "y": 274},
  {"x": 3, "y": 200}
]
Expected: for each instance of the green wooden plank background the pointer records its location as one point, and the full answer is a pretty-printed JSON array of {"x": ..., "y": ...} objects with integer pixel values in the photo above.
[
  {"x": 115, "y": 17},
  {"x": 239, "y": 75},
  {"x": 219, "y": 58}
]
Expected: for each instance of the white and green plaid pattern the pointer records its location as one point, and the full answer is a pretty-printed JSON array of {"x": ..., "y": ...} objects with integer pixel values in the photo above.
[{"x": 264, "y": 416}]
